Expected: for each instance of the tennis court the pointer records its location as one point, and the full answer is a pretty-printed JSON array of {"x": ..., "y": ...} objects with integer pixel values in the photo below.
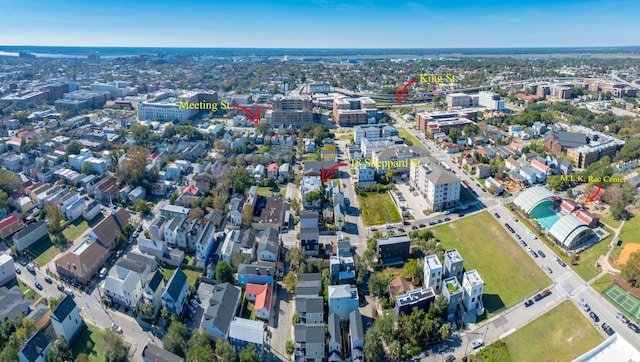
[{"x": 624, "y": 300}]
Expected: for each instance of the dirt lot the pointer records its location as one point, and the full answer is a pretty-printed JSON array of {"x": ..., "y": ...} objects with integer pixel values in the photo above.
[{"x": 628, "y": 249}]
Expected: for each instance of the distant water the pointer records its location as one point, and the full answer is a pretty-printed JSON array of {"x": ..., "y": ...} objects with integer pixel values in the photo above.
[{"x": 294, "y": 53}]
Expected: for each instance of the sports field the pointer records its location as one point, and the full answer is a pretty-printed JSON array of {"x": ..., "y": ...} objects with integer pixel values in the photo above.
[
  {"x": 508, "y": 272},
  {"x": 627, "y": 250},
  {"x": 624, "y": 301}
]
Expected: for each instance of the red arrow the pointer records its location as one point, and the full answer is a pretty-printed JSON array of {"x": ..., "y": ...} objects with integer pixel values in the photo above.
[
  {"x": 255, "y": 119},
  {"x": 401, "y": 96},
  {"x": 328, "y": 174},
  {"x": 591, "y": 198}
]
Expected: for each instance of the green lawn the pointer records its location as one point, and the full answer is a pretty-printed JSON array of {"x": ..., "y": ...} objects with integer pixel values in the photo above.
[
  {"x": 45, "y": 251},
  {"x": 607, "y": 219},
  {"x": 586, "y": 266},
  {"x": 192, "y": 275},
  {"x": 74, "y": 230},
  {"x": 248, "y": 311},
  {"x": 466, "y": 196},
  {"x": 484, "y": 245},
  {"x": 91, "y": 342},
  {"x": 562, "y": 334},
  {"x": 631, "y": 229},
  {"x": 266, "y": 191},
  {"x": 378, "y": 209},
  {"x": 409, "y": 138},
  {"x": 27, "y": 292},
  {"x": 603, "y": 283},
  {"x": 496, "y": 352}
]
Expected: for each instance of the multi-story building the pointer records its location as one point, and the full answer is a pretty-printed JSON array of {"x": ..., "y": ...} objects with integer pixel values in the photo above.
[
  {"x": 585, "y": 155},
  {"x": 393, "y": 249},
  {"x": 438, "y": 186},
  {"x": 290, "y": 110},
  {"x": 490, "y": 100},
  {"x": 353, "y": 111},
  {"x": 420, "y": 298},
  {"x": 473, "y": 287},
  {"x": 453, "y": 264},
  {"x": 373, "y": 132},
  {"x": 453, "y": 292},
  {"x": 434, "y": 122},
  {"x": 82, "y": 99},
  {"x": 7, "y": 269},
  {"x": 171, "y": 106},
  {"x": 309, "y": 342},
  {"x": 462, "y": 100},
  {"x": 343, "y": 299},
  {"x": 433, "y": 273}
]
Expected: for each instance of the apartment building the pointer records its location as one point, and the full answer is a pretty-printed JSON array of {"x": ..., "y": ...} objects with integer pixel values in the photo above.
[
  {"x": 434, "y": 122},
  {"x": 473, "y": 287},
  {"x": 438, "y": 186},
  {"x": 353, "y": 111},
  {"x": 290, "y": 110}
]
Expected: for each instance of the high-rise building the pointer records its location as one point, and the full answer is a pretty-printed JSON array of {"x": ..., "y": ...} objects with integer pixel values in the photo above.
[
  {"x": 439, "y": 187},
  {"x": 290, "y": 110},
  {"x": 353, "y": 111},
  {"x": 490, "y": 100}
]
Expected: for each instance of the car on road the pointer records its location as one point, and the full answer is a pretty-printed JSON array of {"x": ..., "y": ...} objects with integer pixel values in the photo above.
[
  {"x": 447, "y": 212},
  {"x": 541, "y": 253},
  {"x": 374, "y": 229},
  {"x": 116, "y": 327},
  {"x": 528, "y": 248},
  {"x": 432, "y": 222},
  {"x": 533, "y": 252},
  {"x": 389, "y": 227},
  {"x": 562, "y": 264},
  {"x": 447, "y": 219},
  {"x": 594, "y": 317},
  {"x": 583, "y": 303},
  {"x": 18, "y": 271},
  {"x": 38, "y": 285},
  {"x": 497, "y": 215},
  {"x": 477, "y": 343},
  {"x": 48, "y": 280},
  {"x": 515, "y": 219},
  {"x": 545, "y": 293},
  {"x": 23, "y": 262},
  {"x": 61, "y": 287},
  {"x": 622, "y": 317},
  {"x": 406, "y": 223},
  {"x": 548, "y": 269},
  {"x": 422, "y": 225},
  {"x": 524, "y": 243},
  {"x": 413, "y": 227},
  {"x": 607, "y": 329},
  {"x": 538, "y": 297},
  {"x": 402, "y": 230},
  {"x": 450, "y": 358},
  {"x": 440, "y": 221},
  {"x": 518, "y": 236},
  {"x": 31, "y": 268},
  {"x": 634, "y": 327},
  {"x": 528, "y": 303},
  {"x": 68, "y": 291}
]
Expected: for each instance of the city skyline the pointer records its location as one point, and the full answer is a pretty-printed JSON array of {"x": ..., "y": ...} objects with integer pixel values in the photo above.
[{"x": 319, "y": 24}]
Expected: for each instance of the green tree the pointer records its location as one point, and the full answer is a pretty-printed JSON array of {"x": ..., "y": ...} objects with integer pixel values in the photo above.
[
  {"x": 9, "y": 181},
  {"x": 249, "y": 354},
  {"x": 556, "y": 182},
  {"x": 54, "y": 217},
  {"x": 445, "y": 331},
  {"x": 411, "y": 269},
  {"x": 224, "y": 272},
  {"x": 200, "y": 349},
  {"x": 290, "y": 281},
  {"x": 240, "y": 179},
  {"x": 147, "y": 309},
  {"x": 115, "y": 350},
  {"x": 175, "y": 339},
  {"x": 294, "y": 257},
  {"x": 173, "y": 198},
  {"x": 631, "y": 270},
  {"x": 143, "y": 207},
  {"x": 4, "y": 200},
  {"x": 373, "y": 349},
  {"x": 82, "y": 357},
  {"x": 295, "y": 204},
  {"x": 59, "y": 352},
  {"x": 378, "y": 284},
  {"x": 72, "y": 148},
  {"x": 226, "y": 352},
  {"x": 296, "y": 318},
  {"x": 289, "y": 347},
  {"x": 618, "y": 210}
]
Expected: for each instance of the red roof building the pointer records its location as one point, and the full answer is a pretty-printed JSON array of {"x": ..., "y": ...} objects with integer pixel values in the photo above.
[
  {"x": 568, "y": 205},
  {"x": 10, "y": 225},
  {"x": 541, "y": 166},
  {"x": 587, "y": 217},
  {"x": 261, "y": 296}
]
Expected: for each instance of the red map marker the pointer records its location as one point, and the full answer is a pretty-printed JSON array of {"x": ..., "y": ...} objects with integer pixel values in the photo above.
[
  {"x": 328, "y": 174},
  {"x": 251, "y": 118}
]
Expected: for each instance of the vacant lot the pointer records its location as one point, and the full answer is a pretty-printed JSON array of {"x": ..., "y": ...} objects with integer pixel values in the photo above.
[
  {"x": 409, "y": 138},
  {"x": 72, "y": 231},
  {"x": 45, "y": 251},
  {"x": 378, "y": 209},
  {"x": 562, "y": 334},
  {"x": 91, "y": 342},
  {"x": 485, "y": 246}
]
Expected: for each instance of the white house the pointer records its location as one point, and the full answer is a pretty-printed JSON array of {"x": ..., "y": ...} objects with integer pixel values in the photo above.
[
  {"x": 7, "y": 269},
  {"x": 473, "y": 287},
  {"x": 268, "y": 245},
  {"x": 204, "y": 244},
  {"x": 261, "y": 296},
  {"x": 175, "y": 294},
  {"x": 127, "y": 291},
  {"x": 66, "y": 320},
  {"x": 76, "y": 209},
  {"x": 92, "y": 209}
]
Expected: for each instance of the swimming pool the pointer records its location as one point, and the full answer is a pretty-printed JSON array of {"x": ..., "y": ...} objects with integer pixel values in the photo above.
[{"x": 544, "y": 215}]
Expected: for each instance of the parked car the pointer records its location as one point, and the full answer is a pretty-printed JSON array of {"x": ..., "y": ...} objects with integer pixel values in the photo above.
[
  {"x": 548, "y": 269},
  {"x": 607, "y": 329},
  {"x": 406, "y": 223},
  {"x": 402, "y": 230},
  {"x": 432, "y": 222},
  {"x": 18, "y": 271},
  {"x": 440, "y": 221},
  {"x": 48, "y": 280},
  {"x": 622, "y": 317},
  {"x": 450, "y": 358},
  {"x": 116, "y": 327},
  {"x": 546, "y": 293},
  {"x": 541, "y": 253},
  {"x": 477, "y": 343},
  {"x": 61, "y": 287},
  {"x": 538, "y": 297},
  {"x": 31, "y": 268},
  {"x": 634, "y": 327},
  {"x": 528, "y": 303},
  {"x": 533, "y": 252},
  {"x": 497, "y": 215},
  {"x": 413, "y": 227},
  {"x": 524, "y": 243},
  {"x": 447, "y": 219},
  {"x": 422, "y": 225},
  {"x": 515, "y": 219},
  {"x": 389, "y": 227},
  {"x": 38, "y": 285},
  {"x": 68, "y": 291},
  {"x": 594, "y": 317},
  {"x": 518, "y": 236},
  {"x": 23, "y": 262},
  {"x": 583, "y": 303},
  {"x": 193, "y": 302}
]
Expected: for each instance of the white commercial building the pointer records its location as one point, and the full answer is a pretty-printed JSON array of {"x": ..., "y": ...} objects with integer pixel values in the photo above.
[{"x": 490, "y": 100}]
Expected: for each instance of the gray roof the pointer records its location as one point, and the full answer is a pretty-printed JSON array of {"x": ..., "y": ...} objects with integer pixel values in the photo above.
[
  {"x": 35, "y": 346},
  {"x": 309, "y": 333},
  {"x": 159, "y": 221},
  {"x": 29, "y": 229},
  {"x": 310, "y": 276},
  {"x": 269, "y": 241},
  {"x": 153, "y": 353},
  {"x": 177, "y": 281},
  {"x": 155, "y": 280},
  {"x": 310, "y": 287},
  {"x": 355, "y": 326},
  {"x": 8, "y": 296},
  {"x": 335, "y": 334},
  {"x": 63, "y": 308},
  {"x": 309, "y": 304},
  {"x": 132, "y": 265},
  {"x": 248, "y": 238},
  {"x": 221, "y": 307},
  {"x": 255, "y": 269},
  {"x": 394, "y": 239}
]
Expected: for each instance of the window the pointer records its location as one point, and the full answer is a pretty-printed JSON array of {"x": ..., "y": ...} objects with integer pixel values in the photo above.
[{"x": 473, "y": 299}]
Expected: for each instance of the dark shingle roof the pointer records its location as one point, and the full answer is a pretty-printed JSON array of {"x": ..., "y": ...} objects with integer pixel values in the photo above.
[
  {"x": 153, "y": 353},
  {"x": 35, "y": 346},
  {"x": 63, "y": 309},
  {"x": 222, "y": 305},
  {"x": 155, "y": 280},
  {"x": 177, "y": 281}
]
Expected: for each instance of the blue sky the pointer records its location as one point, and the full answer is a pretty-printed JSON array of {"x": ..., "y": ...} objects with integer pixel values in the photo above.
[{"x": 320, "y": 23}]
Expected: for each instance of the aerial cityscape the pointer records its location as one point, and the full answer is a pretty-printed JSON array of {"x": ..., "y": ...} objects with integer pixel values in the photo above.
[{"x": 334, "y": 182}]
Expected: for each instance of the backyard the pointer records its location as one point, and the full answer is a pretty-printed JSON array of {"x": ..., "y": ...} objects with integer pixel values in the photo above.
[
  {"x": 562, "y": 334},
  {"x": 75, "y": 229},
  {"x": 377, "y": 208},
  {"x": 485, "y": 246},
  {"x": 192, "y": 275},
  {"x": 91, "y": 342}
]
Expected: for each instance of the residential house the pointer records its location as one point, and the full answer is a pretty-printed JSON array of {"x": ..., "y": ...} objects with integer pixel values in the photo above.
[
  {"x": 10, "y": 225},
  {"x": 335, "y": 339},
  {"x": 235, "y": 210},
  {"x": 261, "y": 296},
  {"x": 268, "y": 245},
  {"x": 76, "y": 209},
  {"x": 12, "y": 304},
  {"x": 339, "y": 216},
  {"x": 171, "y": 211},
  {"x": 31, "y": 234},
  {"x": 343, "y": 299},
  {"x": 243, "y": 332},
  {"x": 433, "y": 273},
  {"x": 214, "y": 217},
  {"x": 283, "y": 173},
  {"x": 152, "y": 292},
  {"x": 92, "y": 209},
  {"x": 400, "y": 286},
  {"x": 453, "y": 264},
  {"x": 126, "y": 291},
  {"x": 66, "y": 320},
  {"x": 310, "y": 285},
  {"x": 175, "y": 294},
  {"x": 309, "y": 232},
  {"x": 272, "y": 170},
  {"x": 7, "y": 269},
  {"x": 310, "y": 308},
  {"x": 271, "y": 215},
  {"x": 309, "y": 342},
  {"x": 420, "y": 298},
  {"x": 393, "y": 250},
  {"x": 255, "y": 274},
  {"x": 454, "y": 294},
  {"x": 138, "y": 193},
  {"x": 35, "y": 349},
  {"x": 156, "y": 229},
  {"x": 473, "y": 287},
  {"x": 82, "y": 261},
  {"x": 153, "y": 353},
  {"x": 204, "y": 244},
  {"x": 107, "y": 230},
  {"x": 231, "y": 244},
  {"x": 220, "y": 310},
  {"x": 356, "y": 336},
  {"x": 342, "y": 264}
]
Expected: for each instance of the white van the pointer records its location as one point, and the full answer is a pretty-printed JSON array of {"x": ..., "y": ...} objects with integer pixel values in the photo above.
[{"x": 103, "y": 273}]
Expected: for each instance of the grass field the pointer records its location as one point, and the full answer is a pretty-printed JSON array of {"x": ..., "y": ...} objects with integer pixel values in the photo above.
[
  {"x": 45, "y": 251},
  {"x": 192, "y": 275},
  {"x": 631, "y": 229},
  {"x": 603, "y": 283},
  {"x": 586, "y": 266},
  {"x": 466, "y": 196},
  {"x": 562, "y": 334},
  {"x": 496, "y": 352},
  {"x": 607, "y": 219},
  {"x": 91, "y": 342},
  {"x": 378, "y": 209},
  {"x": 75, "y": 229},
  {"x": 266, "y": 191},
  {"x": 409, "y": 138},
  {"x": 27, "y": 292},
  {"x": 484, "y": 245}
]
